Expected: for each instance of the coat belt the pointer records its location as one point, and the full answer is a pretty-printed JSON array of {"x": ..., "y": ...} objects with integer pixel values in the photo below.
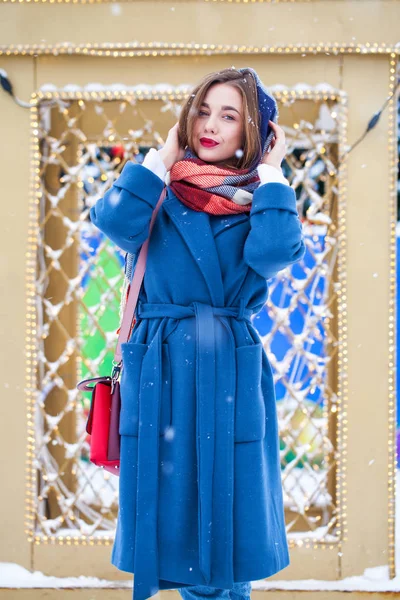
[{"x": 146, "y": 576}]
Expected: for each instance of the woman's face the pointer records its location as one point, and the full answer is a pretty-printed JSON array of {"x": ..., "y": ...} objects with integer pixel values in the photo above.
[{"x": 219, "y": 119}]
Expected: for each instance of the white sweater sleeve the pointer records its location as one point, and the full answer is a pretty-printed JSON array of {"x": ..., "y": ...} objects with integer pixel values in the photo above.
[
  {"x": 154, "y": 163},
  {"x": 268, "y": 173}
]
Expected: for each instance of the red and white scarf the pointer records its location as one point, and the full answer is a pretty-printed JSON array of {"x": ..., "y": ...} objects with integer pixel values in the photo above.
[{"x": 213, "y": 189}]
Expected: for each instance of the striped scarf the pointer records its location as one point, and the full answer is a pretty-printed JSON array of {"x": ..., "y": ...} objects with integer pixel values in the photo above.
[{"x": 213, "y": 189}]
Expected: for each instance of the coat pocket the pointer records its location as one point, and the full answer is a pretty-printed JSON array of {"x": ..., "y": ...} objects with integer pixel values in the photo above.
[
  {"x": 132, "y": 359},
  {"x": 249, "y": 405}
]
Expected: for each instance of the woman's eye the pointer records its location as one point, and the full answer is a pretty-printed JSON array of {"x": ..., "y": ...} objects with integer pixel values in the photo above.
[{"x": 202, "y": 112}]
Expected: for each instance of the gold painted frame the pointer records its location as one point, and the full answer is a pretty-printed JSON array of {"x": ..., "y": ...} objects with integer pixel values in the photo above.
[
  {"x": 184, "y": 49},
  {"x": 110, "y": 1}
]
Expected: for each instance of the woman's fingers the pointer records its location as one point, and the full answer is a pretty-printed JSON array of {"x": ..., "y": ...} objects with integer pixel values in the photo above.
[
  {"x": 277, "y": 128},
  {"x": 172, "y": 150},
  {"x": 278, "y": 131},
  {"x": 279, "y": 139},
  {"x": 277, "y": 149}
]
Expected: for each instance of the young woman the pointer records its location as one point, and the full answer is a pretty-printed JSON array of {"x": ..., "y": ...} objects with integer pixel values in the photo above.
[{"x": 201, "y": 504}]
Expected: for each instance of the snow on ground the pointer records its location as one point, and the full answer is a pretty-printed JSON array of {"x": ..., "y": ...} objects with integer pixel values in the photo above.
[{"x": 374, "y": 579}]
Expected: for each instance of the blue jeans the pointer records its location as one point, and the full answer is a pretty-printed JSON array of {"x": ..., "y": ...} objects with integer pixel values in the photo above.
[{"x": 240, "y": 591}]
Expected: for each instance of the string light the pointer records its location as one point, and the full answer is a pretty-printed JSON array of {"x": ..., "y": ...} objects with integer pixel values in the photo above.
[
  {"x": 282, "y": 95},
  {"x": 392, "y": 148},
  {"x": 152, "y": 49},
  {"x": 342, "y": 391}
]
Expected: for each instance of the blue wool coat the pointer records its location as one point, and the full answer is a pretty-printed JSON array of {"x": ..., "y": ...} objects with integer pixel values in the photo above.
[{"x": 200, "y": 498}]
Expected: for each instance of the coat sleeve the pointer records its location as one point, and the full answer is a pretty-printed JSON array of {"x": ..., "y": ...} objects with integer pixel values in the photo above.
[
  {"x": 123, "y": 214},
  {"x": 275, "y": 239}
]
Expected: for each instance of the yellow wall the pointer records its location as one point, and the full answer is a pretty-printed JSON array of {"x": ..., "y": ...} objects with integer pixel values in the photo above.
[{"x": 364, "y": 76}]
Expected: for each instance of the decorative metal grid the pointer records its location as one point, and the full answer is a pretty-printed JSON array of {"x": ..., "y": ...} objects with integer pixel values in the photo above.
[{"x": 82, "y": 139}]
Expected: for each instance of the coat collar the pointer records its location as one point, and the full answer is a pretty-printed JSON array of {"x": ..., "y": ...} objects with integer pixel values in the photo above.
[{"x": 195, "y": 229}]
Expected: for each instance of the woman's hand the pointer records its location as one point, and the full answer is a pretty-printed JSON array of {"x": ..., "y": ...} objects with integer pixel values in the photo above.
[
  {"x": 171, "y": 152},
  {"x": 278, "y": 148}
]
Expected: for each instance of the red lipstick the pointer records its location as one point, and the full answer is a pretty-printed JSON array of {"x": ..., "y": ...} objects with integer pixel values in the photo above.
[{"x": 208, "y": 143}]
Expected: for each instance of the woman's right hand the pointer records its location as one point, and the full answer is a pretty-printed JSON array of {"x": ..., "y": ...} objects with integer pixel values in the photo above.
[{"x": 171, "y": 152}]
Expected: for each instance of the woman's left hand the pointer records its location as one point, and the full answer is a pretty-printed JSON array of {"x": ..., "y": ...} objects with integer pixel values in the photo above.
[{"x": 277, "y": 148}]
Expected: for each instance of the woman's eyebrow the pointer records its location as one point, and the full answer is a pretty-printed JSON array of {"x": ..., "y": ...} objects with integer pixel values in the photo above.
[{"x": 223, "y": 108}]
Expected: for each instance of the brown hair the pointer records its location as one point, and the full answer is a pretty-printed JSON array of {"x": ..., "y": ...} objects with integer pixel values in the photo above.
[{"x": 246, "y": 85}]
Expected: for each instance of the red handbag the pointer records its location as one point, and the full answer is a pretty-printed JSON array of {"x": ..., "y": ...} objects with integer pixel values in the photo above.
[{"x": 103, "y": 420}]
